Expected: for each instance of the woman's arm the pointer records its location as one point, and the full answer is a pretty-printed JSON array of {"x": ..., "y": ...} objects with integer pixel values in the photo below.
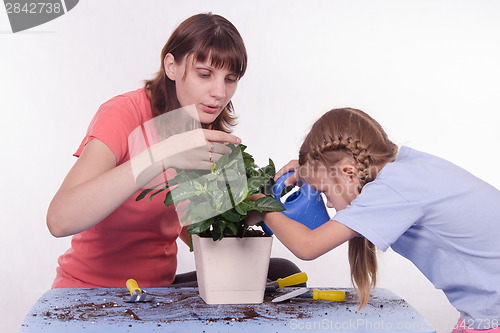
[
  {"x": 93, "y": 188},
  {"x": 304, "y": 243}
]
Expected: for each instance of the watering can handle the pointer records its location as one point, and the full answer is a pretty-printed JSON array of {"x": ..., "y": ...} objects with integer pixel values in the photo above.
[
  {"x": 280, "y": 185},
  {"x": 277, "y": 188}
]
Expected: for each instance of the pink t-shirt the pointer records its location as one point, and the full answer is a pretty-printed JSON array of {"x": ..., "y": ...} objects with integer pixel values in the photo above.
[{"x": 137, "y": 240}]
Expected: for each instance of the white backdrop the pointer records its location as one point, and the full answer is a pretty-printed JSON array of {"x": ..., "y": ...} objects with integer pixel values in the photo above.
[{"x": 428, "y": 70}]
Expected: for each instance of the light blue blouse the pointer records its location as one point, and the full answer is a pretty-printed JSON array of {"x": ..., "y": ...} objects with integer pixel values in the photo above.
[{"x": 443, "y": 219}]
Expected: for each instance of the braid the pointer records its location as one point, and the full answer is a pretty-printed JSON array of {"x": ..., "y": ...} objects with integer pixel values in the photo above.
[
  {"x": 355, "y": 147},
  {"x": 363, "y": 164}
]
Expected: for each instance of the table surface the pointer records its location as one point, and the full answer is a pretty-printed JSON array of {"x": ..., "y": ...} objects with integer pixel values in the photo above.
[{"x": 182, "y": 310}]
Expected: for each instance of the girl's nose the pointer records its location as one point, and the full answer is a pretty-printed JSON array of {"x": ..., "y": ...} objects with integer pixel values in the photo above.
[{"x": 218, "y": 89}]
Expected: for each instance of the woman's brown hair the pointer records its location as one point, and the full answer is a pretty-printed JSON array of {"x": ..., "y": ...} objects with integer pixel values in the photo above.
[
  {"x": 351, "y": 132},
  {"x": 200, "y": 36}
]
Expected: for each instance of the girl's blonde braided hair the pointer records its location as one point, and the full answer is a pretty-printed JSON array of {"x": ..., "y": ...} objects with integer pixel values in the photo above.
[
  {"x": 348, "y": 132},
  {"x": 354, "y": 147}
]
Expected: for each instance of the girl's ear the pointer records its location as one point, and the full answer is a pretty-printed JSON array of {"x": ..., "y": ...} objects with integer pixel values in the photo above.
[
  {"x": 350, "y": 171},
  {"x": 170, "y": 66}
]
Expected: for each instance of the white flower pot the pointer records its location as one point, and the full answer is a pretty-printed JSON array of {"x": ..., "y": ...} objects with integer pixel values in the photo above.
[{"x": 232, "y": 270}]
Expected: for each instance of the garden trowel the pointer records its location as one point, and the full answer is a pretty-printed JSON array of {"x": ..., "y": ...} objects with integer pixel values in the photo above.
[{"x": 136, "y": 294}]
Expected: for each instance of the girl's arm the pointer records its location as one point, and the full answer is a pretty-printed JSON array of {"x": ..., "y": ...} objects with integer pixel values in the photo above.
[
  {"x": 304, "y": 243},
  {"x": 95, "y": 186}
]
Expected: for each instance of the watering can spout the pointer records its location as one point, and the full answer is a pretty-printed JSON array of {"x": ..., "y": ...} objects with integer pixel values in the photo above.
[{"x": 305, "y": 205}]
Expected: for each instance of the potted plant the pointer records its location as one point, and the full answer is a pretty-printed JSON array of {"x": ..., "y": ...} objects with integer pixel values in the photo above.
[{"x": 231, "y": 258}]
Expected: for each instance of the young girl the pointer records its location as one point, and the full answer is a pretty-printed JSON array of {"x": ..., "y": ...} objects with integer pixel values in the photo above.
[{"x": 439, "y": 216}]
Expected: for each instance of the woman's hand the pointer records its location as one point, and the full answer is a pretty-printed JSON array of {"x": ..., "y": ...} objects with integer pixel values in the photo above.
[
  {"x": 293, "y": 165},
  {"x": 196, "y": 150},
  {"x": 96, "y": 171}
]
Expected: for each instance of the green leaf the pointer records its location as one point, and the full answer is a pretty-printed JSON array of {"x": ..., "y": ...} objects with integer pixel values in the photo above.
[
  {"x": 268, "y": 204},
  {"x": 233, "y": 229},
  {"x": 220, "y": 193},
  {"x": 211, "y": 177},
  {"x": 229, "y": 175},
  {"x": 199, "y": 187},
  {"x": 217, "y": 199},
  {"x": 256, "y": 182},
  {"x": 249, "y": 163},
  {"x": 218, "y": 230},
  {"x": 143, "y": 194},
  {"x": 203, "y": 210},
  {"x": 268, "y": 171},
  {"x": 221, "y": 163},
  {"x": 238, "y": 189},
  {"x": 231, "y": 215},
  {"x": 199, "y": 227},
  {"x": 244, "y": 207},
  {"x": 184, "y": 191},
  {"x": 169, "y": 200},
  {"x": 157, "y": 192}
]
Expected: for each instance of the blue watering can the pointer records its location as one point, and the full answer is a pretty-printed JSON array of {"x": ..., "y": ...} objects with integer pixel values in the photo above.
[{"x": 305, "y": 205}]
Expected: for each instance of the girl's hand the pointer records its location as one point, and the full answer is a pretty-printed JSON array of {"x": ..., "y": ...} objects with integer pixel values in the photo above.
[
  {"x": 254, "y": 217},
  {"x": 293, "y": 165}
]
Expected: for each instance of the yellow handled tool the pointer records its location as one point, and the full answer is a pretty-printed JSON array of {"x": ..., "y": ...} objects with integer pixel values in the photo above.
[
  {"x": 136, "y": 294},
  {"x": 328, "y": 295},
  {"x": 133, "y": 287},
  {"x": 288, "y": 281},
  {"x": 292, "y": 280}
]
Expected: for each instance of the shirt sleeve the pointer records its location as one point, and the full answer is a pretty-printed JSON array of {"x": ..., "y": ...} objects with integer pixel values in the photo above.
[
  {"x": 380, "y": 214},
  {"x": 112, "y": 124}
]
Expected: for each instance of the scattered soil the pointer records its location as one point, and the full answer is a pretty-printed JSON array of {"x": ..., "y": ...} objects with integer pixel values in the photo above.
[
  {"x": 184, "y": 304},
  {"x": 132, "y": 315}
]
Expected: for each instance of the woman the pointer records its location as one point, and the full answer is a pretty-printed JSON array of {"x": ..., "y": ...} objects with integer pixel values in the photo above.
[{"x": 114, "y": 236}]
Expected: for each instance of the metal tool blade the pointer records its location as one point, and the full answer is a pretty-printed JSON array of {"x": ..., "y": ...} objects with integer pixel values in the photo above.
[{"x": 291, "y": 294}]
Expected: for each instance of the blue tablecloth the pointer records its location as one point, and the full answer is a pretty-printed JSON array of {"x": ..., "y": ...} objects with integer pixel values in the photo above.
[{"x": 182, "y": 310}]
